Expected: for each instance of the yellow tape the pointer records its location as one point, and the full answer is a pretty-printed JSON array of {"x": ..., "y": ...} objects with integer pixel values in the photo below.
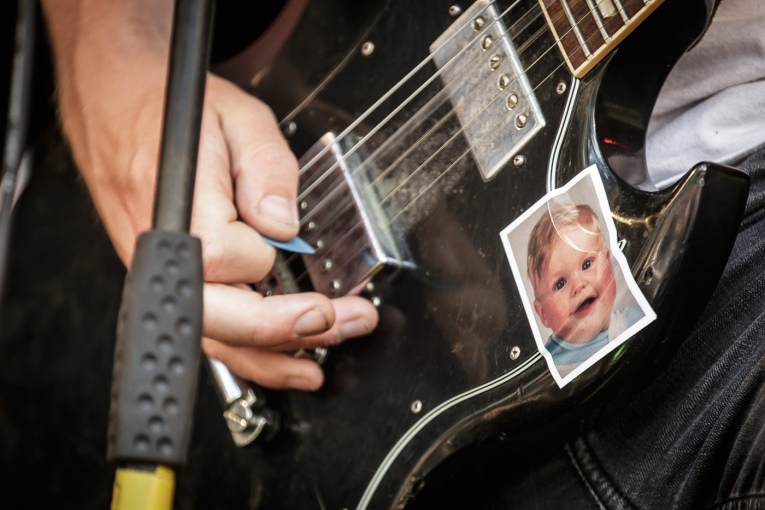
[{"x": 143, "y": 490}]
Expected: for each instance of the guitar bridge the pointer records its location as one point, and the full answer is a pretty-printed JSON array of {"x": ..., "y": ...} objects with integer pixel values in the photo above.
[{"x": 342, "y": 219}]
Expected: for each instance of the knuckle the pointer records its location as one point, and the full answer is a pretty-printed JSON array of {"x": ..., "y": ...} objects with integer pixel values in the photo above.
[{"x": 213, "y": 253}]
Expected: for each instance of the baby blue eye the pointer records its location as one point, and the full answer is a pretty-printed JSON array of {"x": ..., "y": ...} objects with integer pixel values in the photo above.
[
  {"x": 587, "y": 264},
  {"x": 560, "y": 284}
]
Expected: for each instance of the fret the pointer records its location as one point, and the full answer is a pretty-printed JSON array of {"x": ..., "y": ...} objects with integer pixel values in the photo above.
[
  {"x": 622, "y": 11},
  {"x": 565, "y": 37},
  {"x": 576, "y": 27},
  {"x": 599, "y": 20},
  {"x": 613, "y": 15},
  {"x": 587, "y": 30},
  {"x": 585, "y": 19},
  {"x": 633, "y": 7}
]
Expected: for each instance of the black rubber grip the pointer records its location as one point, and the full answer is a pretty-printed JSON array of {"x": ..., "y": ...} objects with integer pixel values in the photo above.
[{"x": 157, "y": 355}]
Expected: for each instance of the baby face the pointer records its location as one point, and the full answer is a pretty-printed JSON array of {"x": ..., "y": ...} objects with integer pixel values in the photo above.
[{"x": 575, "y": 291}]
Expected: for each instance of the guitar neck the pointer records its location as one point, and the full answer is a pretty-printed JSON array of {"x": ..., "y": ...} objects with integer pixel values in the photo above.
[{"x": 587, "y": 30}]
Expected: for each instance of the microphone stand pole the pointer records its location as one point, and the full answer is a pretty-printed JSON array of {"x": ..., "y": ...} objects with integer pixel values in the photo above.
[{"x": 160, "y": 324}]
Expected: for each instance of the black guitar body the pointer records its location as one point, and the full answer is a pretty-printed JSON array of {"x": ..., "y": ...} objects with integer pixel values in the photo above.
[{"x": 437, "y": 375}]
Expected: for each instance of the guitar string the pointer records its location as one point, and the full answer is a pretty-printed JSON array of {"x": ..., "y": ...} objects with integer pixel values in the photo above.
[
  {"x": 527, "y": 44},
  {"x": 348, "y": 131},
  {"x": 345, "y": 156},
  {"x": 433, "y": 104},
  {"x": 401, "y": 82},
  {"x": 390, "y": 92},
  {"x": 430, "y": 158},
  {"x": 432, "y": 183},
  {"x": 424, "y": 137},
  {"x": 349, "y": 203},
  {"x": 405, "y": 208},
  {"x": 355, "y": 124}
]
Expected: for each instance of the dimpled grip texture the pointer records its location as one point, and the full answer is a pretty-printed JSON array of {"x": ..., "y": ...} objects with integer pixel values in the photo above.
[{"x": 157, "y": 353}]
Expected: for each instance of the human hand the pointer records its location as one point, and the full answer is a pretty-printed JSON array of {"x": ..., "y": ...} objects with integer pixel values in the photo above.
[{"x": 111, "y": 60}]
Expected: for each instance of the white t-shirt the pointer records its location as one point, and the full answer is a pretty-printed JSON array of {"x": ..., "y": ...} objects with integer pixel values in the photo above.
[{"x": 712, "y": 107}]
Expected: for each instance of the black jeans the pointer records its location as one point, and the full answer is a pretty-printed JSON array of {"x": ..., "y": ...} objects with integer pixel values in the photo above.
[{"x": 695, "y": 436}]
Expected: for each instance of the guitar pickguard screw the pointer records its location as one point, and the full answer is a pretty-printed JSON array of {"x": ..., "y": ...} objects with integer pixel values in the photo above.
[
  {"x": 289, "y": 129},
  {"x": 455, "y": 10},
  {"x": 326, "y": 266},
  {"x": 515, "y": 352},
  {"x": 367, "y": 48},
  {"x": 519, "y": 160},
  {"x": 370, "y": 287},
  {"x": 335, "y": 286},
  {"x": 303, "y": 205},
  {"x": 376, "y": 301},
  {"x": 311, "y": 226},
  {"x": 416, "y": 406},
  {"x": 478, "y": 23},
  {"x": 561, "y": 88},
  {"x": 319, "y": 244}
]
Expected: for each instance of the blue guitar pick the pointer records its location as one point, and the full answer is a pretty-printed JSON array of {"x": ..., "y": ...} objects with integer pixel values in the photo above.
[{"x": 295, "y": 245}]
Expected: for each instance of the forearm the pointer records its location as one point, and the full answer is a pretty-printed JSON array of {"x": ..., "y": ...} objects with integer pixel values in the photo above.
[{"x": 125, "y": 26}]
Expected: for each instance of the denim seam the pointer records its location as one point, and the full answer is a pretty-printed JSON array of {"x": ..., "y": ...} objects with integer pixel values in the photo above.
[
  {"x": 584, "y": 480},
  {"x": 599, "y": 478}
]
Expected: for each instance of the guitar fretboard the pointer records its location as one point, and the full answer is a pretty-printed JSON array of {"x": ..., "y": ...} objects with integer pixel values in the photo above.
[{"x": 586, "y": 30}]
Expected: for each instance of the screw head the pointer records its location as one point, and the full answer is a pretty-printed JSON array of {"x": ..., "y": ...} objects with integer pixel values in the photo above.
[
  {"x": 478, "y": 23},
  {"x": 512, "y": 101},
  {"x": 561, "y": 88},
  {"x": 487, "y": 42},
  {"x": 416, "y": 406},
  {"x": 519, "y": 160},
  {"x": 504, "y": 81},
  {"x": 367, "y": 48},
  {"x": 494, "y": 62},
  {"x": 289, "y": 129},
  {"x": 521, "y": 120},
  {"x": 455, "y": 10},
  {"x": 515, "y": 352}
]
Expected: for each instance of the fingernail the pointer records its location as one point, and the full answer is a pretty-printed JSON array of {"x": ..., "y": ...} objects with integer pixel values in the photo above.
[
  {"x": 356, "y": 327},
  {"x": 278, "y": 209},
  {"x": 312, "y": 322},
  {"x": 311, "y": 380}
]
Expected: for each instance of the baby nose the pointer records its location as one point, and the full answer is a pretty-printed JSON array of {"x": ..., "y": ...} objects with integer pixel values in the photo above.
[{"x": 579, "y": 285}]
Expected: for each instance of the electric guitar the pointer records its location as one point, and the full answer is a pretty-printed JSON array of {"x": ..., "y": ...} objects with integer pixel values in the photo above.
[{"x": 426, "y": 128}]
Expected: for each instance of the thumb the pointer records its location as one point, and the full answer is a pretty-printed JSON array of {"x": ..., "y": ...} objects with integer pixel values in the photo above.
[{"x": 265, "y": 172}]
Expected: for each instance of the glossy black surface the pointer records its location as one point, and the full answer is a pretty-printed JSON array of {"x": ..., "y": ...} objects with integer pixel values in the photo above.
[{"x": 448, "y": 327}]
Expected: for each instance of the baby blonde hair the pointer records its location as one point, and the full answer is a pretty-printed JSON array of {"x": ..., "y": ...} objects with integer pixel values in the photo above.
[{"x": 562, "y": 216}]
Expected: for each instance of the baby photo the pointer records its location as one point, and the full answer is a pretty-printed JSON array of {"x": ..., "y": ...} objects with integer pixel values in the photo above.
[{"x": 580, "y": 297}]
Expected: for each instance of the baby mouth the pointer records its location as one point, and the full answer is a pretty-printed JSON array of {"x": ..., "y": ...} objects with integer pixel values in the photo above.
[{"x": 585, "y": 306}]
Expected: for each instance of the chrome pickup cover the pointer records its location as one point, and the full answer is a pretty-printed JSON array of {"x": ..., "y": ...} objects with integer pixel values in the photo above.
[
  {"x": 343, "y": 221},
  {"x": 487, "y": 86}
]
